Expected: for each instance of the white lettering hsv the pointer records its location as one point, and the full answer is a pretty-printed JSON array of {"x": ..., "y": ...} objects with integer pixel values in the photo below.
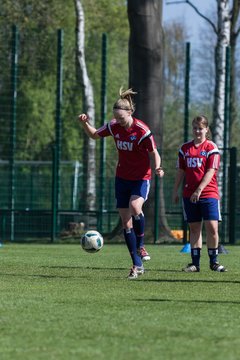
[
  {"x": 194, "y": 162},
  {"x": 124, "y": 145}
]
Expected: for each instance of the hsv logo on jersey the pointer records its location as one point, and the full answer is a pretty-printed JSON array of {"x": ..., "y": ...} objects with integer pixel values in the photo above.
[
  {"x": 133, "y": 137},
  {"x": 194, "y": 162},
  {"x": 124, "y": 145}
]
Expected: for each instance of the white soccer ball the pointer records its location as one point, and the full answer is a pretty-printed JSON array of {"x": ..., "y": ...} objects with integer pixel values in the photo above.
[{"x": 92, "y": 241}]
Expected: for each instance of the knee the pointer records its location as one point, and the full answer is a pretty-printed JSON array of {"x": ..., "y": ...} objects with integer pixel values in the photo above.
[
  {"x": 133, "y": 209},
  {"x": 212, "y": 228},
  {"x": 195, "y": 230},
  {"x": 135, "y": 205},
  {"x": 126, "y": 223},
  {"x": 212, "y": 232}
]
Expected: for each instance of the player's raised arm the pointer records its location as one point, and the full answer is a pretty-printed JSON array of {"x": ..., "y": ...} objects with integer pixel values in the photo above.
[{"x": 90, "y": 130}]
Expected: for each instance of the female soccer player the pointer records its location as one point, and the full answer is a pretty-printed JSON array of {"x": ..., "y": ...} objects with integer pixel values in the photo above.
[
  {"x": 198, "y": 162},
  {"x": 134, "y": 142}
]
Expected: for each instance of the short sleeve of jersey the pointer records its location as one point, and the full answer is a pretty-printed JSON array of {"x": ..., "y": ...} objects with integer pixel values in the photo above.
[
  {"x": 213, "y": 160},
  {"x": 103, "y": 131},
  {"x": 181, "y": 161},
  {"x": 149, "y": 143}
]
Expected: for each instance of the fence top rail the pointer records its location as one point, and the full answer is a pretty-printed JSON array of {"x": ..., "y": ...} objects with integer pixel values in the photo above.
[{"x": 40, "y": 162}]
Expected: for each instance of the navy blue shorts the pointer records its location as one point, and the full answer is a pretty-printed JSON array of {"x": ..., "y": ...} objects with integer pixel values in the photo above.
[
  {"x": 204, "y": 209},
  {"x": 124, "y": 189}
]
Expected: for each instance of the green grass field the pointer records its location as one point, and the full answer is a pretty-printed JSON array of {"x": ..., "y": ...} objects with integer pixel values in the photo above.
[{"x": 58, "y": 302}]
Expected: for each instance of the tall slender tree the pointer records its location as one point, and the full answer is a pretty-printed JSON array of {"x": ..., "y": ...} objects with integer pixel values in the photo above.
[
  {"x": 146, "y": 77},
  {"x": 223, "y": 40},
  {"x": 89, "y": 144}
]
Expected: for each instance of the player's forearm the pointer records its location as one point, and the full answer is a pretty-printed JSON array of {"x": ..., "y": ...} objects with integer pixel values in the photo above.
[
  {"x": 90, "y": 130},
  {"x": 156, "y": 159},
  {"x": 206, "y": 180},
  {"x": 178, "y": 179},
  {"x": 157, "y": 163}
]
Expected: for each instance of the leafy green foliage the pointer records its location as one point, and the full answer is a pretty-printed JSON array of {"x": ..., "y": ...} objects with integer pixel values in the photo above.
[{"x": 37, "y": 23}]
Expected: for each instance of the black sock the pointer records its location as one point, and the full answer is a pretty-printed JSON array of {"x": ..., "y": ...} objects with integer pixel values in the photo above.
[
  {"x": 213, "y": 253},
  {"x": 131, "y": 242},
  {"x": 196, "y": 253},
  {"x": 139, "y": 225}
]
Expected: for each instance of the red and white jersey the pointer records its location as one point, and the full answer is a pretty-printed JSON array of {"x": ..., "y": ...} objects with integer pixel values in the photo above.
[
  {"x": 133, "y": 145},
  {"x": 195, "y": 161}
]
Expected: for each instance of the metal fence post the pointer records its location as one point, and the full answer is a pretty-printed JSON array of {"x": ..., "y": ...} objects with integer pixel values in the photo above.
[
  {"x": 12, "y": 176},
  {"x": 156, "y": 210},
  {"x": 58, "y": 138},
  {"x": 225, "y": 145},
  {"x": 103, "y": 142},
  {"x": 58, "y": 111},
  {"x": 187, "y": 92},
  {"x": 54, "y": 197},
  {"x": 232, "y": 195},
  {"x": 186, "y": 120}
]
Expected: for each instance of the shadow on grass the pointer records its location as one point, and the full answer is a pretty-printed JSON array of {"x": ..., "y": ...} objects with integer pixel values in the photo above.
[
  {"x": 192, "y": 281},
  {"x": 85, "y": 267},
  {"x": 36, "y": 276},
  {"x": 140, "y": 280},
  {"x": 192, "y": 301},
  {"x": 110, "y": 268}
]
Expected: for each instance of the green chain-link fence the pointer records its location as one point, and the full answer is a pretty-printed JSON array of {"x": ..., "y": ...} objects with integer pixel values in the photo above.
[
  {"x": 33, "y": 200},
  {"x": 41, "y": 150}
]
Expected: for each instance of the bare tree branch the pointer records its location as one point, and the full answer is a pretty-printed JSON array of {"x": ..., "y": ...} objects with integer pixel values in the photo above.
[{"x": 196, "y": 10}]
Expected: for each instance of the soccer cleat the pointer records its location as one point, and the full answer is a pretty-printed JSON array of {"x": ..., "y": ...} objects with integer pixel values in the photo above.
[
  {"x": 135, "y": 271},
  {"x": 140, "y": 270},
  {"x": 217, "y": 267},
  {"x": 142, "y": 252},
  {"x": 191, "y": 268}
]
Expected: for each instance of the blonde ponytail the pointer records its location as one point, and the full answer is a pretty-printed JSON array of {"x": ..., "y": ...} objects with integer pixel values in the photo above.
[{"x": 125, "y": 101}]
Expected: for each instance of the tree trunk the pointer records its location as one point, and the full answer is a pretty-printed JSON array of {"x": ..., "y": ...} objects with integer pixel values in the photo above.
[
  {"x": 234, "y": 32},
  {"x": 89, "y": 196},
  {"x": 146, "y": 77},
  {"x": 223, "y": 40}
]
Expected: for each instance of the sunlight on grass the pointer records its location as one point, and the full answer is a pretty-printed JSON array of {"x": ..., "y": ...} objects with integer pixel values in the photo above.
[{"x": 58, "y": 302}]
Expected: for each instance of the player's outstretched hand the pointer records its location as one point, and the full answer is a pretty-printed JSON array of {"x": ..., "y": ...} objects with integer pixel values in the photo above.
[{"x": 83, "y": 118}]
